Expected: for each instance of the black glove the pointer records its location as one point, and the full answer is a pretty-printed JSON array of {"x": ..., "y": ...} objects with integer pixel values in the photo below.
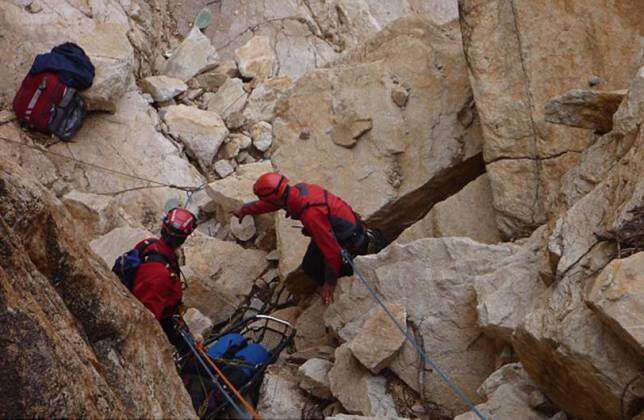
[{"x": 171, "y": 327}]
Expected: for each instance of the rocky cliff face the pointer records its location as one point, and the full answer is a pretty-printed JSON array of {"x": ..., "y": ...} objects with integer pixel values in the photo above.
[
  {"x": 74, "y": 342},
  {"x": 498, "y": 145},
  {"x": 520, "y": 55}
]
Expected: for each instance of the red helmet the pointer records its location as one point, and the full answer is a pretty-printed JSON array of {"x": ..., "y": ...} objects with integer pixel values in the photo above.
[
  {"x": 179, "y": 222},
  {"x": 270, "y": 186}
]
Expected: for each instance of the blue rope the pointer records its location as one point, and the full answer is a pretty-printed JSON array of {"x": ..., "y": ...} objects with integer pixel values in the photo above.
[
  {"x": 188, "y": 341},
  {"x": 347, "y": 257}
]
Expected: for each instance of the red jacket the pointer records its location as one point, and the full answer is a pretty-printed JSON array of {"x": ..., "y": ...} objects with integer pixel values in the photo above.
[
  {"x": 327, "y": 218},
  {"x": 156, "y": 286}
]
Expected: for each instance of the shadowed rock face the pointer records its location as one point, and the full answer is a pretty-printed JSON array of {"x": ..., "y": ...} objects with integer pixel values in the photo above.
[
  {"x": 468, "y": 213},
  {"x": 74, "y": 342},
  {"x": 584, "y": 109}
]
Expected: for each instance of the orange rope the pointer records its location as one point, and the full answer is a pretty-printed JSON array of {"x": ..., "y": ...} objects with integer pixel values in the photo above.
[{"x": 245, "y": 403}]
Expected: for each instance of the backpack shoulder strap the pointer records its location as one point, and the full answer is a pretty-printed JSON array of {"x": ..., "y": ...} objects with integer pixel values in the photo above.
[
  {"x": 318, "y": 204},
  {"x": 151, "y": 255}
]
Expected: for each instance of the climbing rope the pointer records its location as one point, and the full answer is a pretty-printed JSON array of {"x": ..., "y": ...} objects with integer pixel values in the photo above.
[
  {"x": 157, "y": 184},
  {"x": 191, "y": 345},
  {"x": 347, "y": 257}
]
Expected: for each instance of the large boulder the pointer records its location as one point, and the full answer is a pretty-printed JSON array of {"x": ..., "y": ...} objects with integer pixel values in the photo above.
[
  {"x": 410, "y": 158},
  {"x": 310, "y": 331},
  {"x": 279, "y": 396},
  {"x": 434, "y": 280},
  {"x": 262, "y": 101},
  {"x": 521, "y": 54},
  {"x": 617, "y": 297},
  {"x": 379, "y": 339},
  {"x": 94, "y": 214},
  {"x": 256, "y": 59},
  {"x": 104, "y": 39},
  {"x": 220, "y": 274},
  {"x": 510, "y": 292},
  {"x": 75, "y": 342},
  {"x": 194, "y": 55},
  {"x": 580, "y": 362},
  {"x": 611, "y": 209},
  {"x": 118, "y": 241},
  {"x": 574, "y": 359},
  {"x": 202, "y": 132},
  {"x": 314, "y": 377},
  {"x": 230, "y": 97},
  {"x": 468, "y": 213},
  {"x": 508, "y": 393},
  {"x": 357, "y": 389},
  {"x": 163, "y": 88}
]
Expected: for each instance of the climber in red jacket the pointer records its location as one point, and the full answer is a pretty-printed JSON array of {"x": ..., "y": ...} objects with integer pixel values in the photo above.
[
  {"x": 157, "y": 283},
  {"x": 327, "y": 219}
]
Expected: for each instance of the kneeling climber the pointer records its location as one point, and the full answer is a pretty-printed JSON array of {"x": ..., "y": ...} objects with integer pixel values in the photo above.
[
  {"x": 156, "y": 281},
  {"x": 327, "y": 219}
]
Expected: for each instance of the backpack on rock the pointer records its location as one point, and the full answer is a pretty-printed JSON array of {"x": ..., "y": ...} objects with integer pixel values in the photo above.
[{"x": 48, "y": 99}]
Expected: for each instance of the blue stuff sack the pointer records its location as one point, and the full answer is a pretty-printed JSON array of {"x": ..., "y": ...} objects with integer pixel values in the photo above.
[
  {"x": 226, "y": 346},
  {"x": 253, "y": 354},
  {"x": 126, "y": 266}
]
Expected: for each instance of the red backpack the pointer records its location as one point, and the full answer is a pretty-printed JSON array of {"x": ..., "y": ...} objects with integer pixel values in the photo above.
[
  {"x": 48, "y": 100},
  {"x": 44, "y": 103}
]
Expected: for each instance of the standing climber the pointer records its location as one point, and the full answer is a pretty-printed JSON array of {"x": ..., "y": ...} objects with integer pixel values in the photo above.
[
  {"x": 157, "y": 280},
  {"x": 327, "y": 219}
]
